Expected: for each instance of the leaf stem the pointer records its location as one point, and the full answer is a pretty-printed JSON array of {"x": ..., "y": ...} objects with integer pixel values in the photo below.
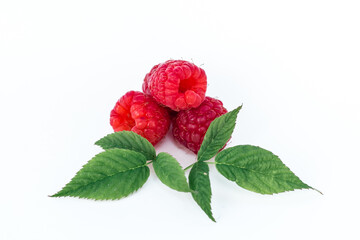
[
  {"x": 196, "y": 162},
  {"x": 149, "y": 162},
  {"x": 189, "y": 166},
  {"x": 211, "y": 162}
]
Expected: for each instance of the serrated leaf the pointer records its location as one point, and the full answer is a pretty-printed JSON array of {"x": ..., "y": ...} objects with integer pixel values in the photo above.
[
  {"x": 128, "y": 140},
  {"x": 110, "y": 175},
  {"x": 170, "y": 172},
  {"x": 199, "y": 182},
  {"x": 218, "y": 133},
  {"x": 257, "y": 170}
]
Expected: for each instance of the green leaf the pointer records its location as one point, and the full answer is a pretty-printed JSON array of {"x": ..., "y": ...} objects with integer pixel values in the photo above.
[
  {"x": 218, "y": 133},
  {"x": 200, "y": 184},
  {"x": 110, "y": 175},
  {"x": 128, "y": 140},
  {"x": 170, "y": 172},
  {"x": 257, "y": 170}
]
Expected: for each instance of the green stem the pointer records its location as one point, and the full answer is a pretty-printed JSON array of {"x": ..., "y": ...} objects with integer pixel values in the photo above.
[
  {"x": 149, "y": 162},
  {"x": 189, "y": 166},
  {"x": 195, "y": 162}
]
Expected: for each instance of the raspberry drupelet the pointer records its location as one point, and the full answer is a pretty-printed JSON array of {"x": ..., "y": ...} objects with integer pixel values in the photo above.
[
  {"x": 177, "y": 84},
  {"x": 190, "y": 126},
  {"x": 141, "y": 114}
]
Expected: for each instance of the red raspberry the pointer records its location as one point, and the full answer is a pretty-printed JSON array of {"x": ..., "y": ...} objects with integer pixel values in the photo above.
[
  {"x": 141, "y": 114},
  {"x": 190, "y": 126},
  {"x": 177, "y": 84}
]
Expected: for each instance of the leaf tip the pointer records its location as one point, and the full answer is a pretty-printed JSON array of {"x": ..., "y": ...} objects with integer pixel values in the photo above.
[
  {"x": 237, "y": 110},
  {"x": 316, "y": 190},
  {"x": 188, "y": 189},
  {"x": 184, "y": 189},
  {"x": 97, "y": 143},
  {"x": 54, "y": 195},
  {"x": 212, "y": 219},
  {"x": 100, "y": 141}
]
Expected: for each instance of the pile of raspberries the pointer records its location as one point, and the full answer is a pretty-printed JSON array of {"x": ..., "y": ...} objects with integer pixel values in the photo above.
[{"x": 173, "y": 92}]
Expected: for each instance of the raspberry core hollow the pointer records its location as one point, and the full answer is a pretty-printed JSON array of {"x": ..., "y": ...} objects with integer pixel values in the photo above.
[{"x": 177, "y": 84}]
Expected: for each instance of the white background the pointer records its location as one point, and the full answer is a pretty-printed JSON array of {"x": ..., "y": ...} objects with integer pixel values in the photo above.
[{"x": 293, "y": 64}]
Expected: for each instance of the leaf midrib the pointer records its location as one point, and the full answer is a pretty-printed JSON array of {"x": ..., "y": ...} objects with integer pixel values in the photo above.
[
  {"x": 90, "y": 183},
  {"x": 129, "y": 147},
  {"x": 251, "y": 170},
  {"x": 211, "y": 140}
]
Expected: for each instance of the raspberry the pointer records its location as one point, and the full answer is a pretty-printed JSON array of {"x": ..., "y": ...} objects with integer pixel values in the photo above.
[
  {"x": 177, "y": 84},
  {"x": 140, "y": 113},
  {"x": 190, "y": 126}
]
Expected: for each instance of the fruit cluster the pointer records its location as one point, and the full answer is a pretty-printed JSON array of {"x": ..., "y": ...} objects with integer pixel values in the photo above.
[{"x": 173, "y": 91}]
